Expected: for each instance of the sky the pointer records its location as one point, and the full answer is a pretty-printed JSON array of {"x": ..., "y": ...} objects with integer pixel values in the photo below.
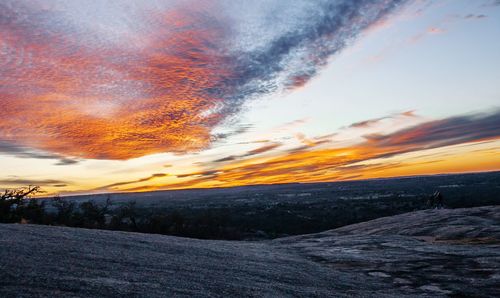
[{"x": 117, "y": 96}]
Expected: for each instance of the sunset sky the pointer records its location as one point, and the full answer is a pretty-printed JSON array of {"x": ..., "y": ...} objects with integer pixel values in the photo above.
[{"x": 108, "y": 96}]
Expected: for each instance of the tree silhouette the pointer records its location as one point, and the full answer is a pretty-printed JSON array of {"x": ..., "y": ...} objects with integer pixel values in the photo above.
[
  {"x": 126, "y": 216},
  {"x": 14, "y": 201},
  {"x": 93, "y": 214}
]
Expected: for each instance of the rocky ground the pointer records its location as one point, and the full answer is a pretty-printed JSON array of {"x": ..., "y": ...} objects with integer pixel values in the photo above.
[{"x": 425, "y": 253}]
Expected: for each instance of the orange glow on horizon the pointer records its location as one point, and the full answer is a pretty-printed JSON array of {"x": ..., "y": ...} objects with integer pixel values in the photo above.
[{"x": 327, "y": 165}]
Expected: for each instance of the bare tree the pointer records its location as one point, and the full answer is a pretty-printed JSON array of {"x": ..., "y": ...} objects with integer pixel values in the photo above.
[
  {"x": 19, "y": 193},
  {"x": 13, "y": 200}
]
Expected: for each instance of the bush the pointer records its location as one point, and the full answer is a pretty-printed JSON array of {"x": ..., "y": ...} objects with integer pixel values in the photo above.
[
  {"x": 65, "y": 210},
  {"x": 125, "y": 217},
  {"x": 93, "y": 215}
]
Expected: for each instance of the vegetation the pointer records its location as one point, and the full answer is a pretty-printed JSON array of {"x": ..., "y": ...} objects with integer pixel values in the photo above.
[
  {"x": 263, "y": 214},
  {"x": 15, "y": 205}
]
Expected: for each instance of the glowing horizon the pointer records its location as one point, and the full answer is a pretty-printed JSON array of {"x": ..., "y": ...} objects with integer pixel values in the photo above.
[{"x": 124, "y": 96}]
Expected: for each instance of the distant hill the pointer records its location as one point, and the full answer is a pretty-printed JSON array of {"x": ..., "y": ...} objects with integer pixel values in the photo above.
[{"x": 431, "y": 252}]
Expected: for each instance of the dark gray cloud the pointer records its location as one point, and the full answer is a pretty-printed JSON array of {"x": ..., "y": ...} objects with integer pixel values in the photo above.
[
  {"x": 475, "y": 16},
  {"x": 449, "y": 131},
  {"x": 151, "y": 177},
  {"x": 227, "y": 158},
  {"x": 263, "y": 149},
  {"x": 255, "y": 151},
  {"x": 205, "y": 174},
  {"x": 66, "y": 161},
  {"x": 16, "y": 182},
  {"x": 238, "y": 129},
  {"x": 25, "y": 152}
]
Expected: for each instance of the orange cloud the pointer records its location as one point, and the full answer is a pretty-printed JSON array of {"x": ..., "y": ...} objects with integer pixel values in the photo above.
[
  {"x": 378, "y": 156},
  {"x": 107, "y": 81},
  {"x": 60, "y": 95}
]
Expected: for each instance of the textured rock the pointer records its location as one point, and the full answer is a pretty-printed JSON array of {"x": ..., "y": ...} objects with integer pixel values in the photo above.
[
  {"x": 433, "y": 253},
  {"x": 436, "y": 252}
]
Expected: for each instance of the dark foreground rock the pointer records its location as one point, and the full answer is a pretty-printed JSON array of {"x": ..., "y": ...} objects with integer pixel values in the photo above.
[{"x": 425, "y": 253}]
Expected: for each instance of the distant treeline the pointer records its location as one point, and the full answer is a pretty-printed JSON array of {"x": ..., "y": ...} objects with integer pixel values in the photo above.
[
  {"x": 262, "y": 220},
  {"x": 17, "y": 207}
]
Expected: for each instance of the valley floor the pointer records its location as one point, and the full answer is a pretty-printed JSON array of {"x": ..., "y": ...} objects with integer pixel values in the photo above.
[{"x": 431, "y": 252}]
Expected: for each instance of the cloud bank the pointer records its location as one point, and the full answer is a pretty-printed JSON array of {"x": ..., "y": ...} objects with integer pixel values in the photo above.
[
  {"x": 123, "y": 79},
  {"x": 346, "y": 162}
]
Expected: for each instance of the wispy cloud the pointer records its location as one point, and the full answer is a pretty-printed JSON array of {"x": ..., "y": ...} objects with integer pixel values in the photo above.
[
  {"x": 123, "y": 183},
  {"x": 450, "y": 131},
  {"x": 491, "y": 3},
  {"x": 105, "y": 80},
  {"x": 25, "y": 152},
  {"x": 256, "y": 151},
  {"x": 262, "y": 149},
  {"x": 475, "y": 16},
  {"x": 16, "y": 182},
  {"x": 347, "y": 162},
  {"x": 371, "y": 122}
]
